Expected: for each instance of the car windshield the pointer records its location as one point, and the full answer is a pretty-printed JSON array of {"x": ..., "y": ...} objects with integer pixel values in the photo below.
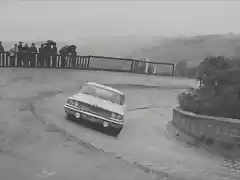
[{"x": 103, "y": 94}]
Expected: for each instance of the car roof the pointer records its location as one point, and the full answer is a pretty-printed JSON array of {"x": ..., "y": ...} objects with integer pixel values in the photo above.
[{"x": 104, "y": 87}]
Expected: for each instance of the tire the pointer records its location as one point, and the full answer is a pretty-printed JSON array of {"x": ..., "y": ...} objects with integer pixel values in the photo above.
[
  {"x": 116, "y": 131},
  {"x": 69, "y": 117}
]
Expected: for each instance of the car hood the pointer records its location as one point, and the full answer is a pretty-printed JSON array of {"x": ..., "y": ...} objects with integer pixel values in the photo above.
[{"x": 88, "y": 99}]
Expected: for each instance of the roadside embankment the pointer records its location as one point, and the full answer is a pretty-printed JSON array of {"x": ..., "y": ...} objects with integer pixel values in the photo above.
[{"x": 219, "y": 132}]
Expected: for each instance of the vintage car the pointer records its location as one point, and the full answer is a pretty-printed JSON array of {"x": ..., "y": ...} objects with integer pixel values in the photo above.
[{"x": 98, "y": 104}]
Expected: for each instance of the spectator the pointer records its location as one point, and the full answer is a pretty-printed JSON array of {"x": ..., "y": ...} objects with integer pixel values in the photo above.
[
  {"x": 47, "y": 54},
  {"x": 20, "y": 54},
  {"x": 25, "y": 54},
  {"x": 1, "y": 53},
  {"x": 13, "y": 55},
  {"x": 54, "y": 53},
  {"x": 73, "y": 58},
  {"x": 33, "y": 51},
  {"x": 63, "y": 52},
  {"x": 1, "y": 47},
  {"x": 41, "y": 56}
]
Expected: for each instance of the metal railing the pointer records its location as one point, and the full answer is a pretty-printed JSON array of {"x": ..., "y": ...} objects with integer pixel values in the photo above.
[{"x": 26, "y": 60}]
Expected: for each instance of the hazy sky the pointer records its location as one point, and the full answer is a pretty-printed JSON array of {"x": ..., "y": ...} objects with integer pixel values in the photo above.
[{"x": 65, "y": 20}]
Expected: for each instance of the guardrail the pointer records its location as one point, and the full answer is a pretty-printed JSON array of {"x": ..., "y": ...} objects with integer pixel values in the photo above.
[{"x": 27, "y": 60}]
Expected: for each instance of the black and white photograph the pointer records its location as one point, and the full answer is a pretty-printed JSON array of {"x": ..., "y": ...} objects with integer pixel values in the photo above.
[{"x": 119, "y": 90}]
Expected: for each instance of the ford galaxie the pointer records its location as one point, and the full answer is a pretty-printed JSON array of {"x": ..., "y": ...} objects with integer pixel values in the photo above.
[{"x": 98, "y": 104}]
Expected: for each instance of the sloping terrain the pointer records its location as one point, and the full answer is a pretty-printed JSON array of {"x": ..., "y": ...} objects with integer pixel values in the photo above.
[{"x": 191, "y": 49}]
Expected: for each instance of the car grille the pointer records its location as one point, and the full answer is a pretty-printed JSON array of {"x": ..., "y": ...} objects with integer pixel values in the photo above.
[{"x": 95, "y": 110}]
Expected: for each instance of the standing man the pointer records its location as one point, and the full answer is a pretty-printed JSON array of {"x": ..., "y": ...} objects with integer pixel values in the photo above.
[
  {"x": 1, "y": 47},
  {"x": 41, "y": 56},
  {"x": 63, "y": 52},
  {"x": 20, "y": 54},
  {"x": 54, "y": 53},
  {"x": 74, "y": 57},
  {"x": 26, "y": 56},
  {"x": 13, "y": 55},
  {"x": 33, "y": 51},
  {"x": 47, "y": 55}
]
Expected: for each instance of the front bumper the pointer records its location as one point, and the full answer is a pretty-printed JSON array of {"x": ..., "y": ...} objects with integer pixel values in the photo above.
[{"x": 94, "y": 118}]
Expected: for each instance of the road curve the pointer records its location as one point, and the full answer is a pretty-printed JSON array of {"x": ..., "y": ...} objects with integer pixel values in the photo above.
[{"x": 147, "y": 139}]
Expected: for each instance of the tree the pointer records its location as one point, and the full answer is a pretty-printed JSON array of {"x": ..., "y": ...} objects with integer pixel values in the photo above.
[
  {"x": 220, "y": 94},
  {"x": 208, "y": 68},
  {"x": 181, "y": 68}
]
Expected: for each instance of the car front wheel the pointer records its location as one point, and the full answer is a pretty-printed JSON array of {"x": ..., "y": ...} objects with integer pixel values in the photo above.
[
  {"x": 116, "y": 131},
  {"x": 69, "y": 117}
]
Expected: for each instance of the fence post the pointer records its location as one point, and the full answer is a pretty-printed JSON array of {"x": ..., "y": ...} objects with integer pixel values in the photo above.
[
  {"x": 50, "y": 64},
  {"x": 131, "y": 69},
  {"x": 83, "y": 62},
  {"x": 57, "y": 59},
  {"x": 154, "y": 68},
  {"x": 173, "y": 69},
  {"x": 36, "y": 60},
  {"x": 1, "y": 58},
  {"x": 5, "y": 59},
  {"x": 67, "y": 61},
  {"x": 15, "y": 64},
  {"x": 77, "y": 62},
  {"x": 8, "y": 61},
  {"x": 88, "y": 62}
]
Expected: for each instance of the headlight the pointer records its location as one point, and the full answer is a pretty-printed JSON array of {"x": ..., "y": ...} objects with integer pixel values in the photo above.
[
  {"x": 120, "y": 117},
  {"x": 76, "y": 103},
  {"x": 116, "y": 116},
  {"x": 113, "y": 115},
  {"x": 70, "y": 101}
]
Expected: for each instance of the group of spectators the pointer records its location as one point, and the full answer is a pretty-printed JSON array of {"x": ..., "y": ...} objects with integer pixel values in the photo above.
[{"x": 43, "y": 57}]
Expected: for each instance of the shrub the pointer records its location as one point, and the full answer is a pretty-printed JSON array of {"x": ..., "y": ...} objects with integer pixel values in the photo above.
[{"x": 220, "y": 93}]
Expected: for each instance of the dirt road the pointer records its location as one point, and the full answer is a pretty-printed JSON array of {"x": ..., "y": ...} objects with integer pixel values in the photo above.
[{"x": 33, "y": 148}]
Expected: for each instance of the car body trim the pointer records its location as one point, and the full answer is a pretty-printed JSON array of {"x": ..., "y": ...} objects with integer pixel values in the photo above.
[{"x": 91, "y": 114}]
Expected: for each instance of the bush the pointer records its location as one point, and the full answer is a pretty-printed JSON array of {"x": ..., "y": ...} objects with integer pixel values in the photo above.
[{"x": 220, "y": 93}]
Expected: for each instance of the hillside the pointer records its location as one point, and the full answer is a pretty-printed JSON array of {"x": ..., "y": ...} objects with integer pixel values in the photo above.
[
  {"x": 111, "y": 45},
  {"x": 191, "y": 49}
]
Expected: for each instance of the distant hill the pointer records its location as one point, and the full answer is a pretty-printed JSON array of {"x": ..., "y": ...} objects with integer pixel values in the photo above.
[
  {"x": 111, "y": 45},
  {"x": 191, "y": 49}
]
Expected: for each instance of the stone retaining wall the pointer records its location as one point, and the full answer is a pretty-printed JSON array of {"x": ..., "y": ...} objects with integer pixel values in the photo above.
[{"x": 209, "y": 128}]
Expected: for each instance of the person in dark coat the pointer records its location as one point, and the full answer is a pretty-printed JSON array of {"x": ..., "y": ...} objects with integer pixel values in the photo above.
[
  {"x": 1, "y": 47},
  {"x": 47, "y": 54},
  {"x": 73, "y": 58},
  {"x": 33, "y": 51},
  {"x": 26, "y": 56},
  {"x": 54, "y": 53},
  {"x": 20, "y": 54},
  {"x": 41, "y": 56},
  {"x": 63, "y": 52},
  {"x": 13, "y": 54}
]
